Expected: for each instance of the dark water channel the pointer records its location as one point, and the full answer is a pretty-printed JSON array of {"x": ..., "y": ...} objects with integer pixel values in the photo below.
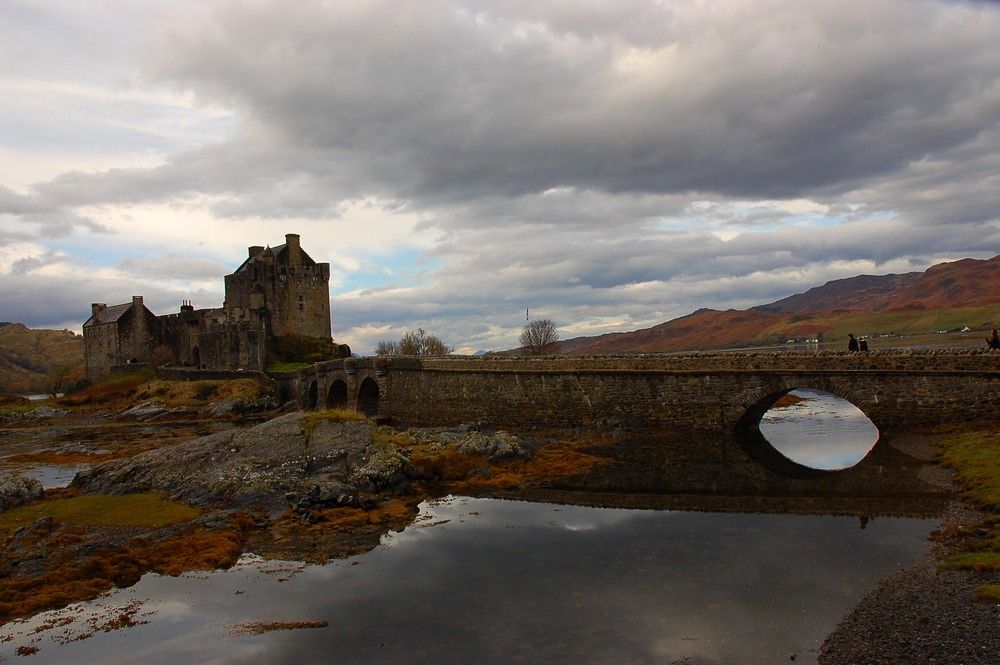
[
  {"x": 480, "y": 581},
  {"x": 491, "y": 581}
]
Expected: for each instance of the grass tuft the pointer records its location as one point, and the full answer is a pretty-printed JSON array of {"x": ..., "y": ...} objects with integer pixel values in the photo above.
[
  {"x": 150, "y": 509},
  {"x": 988, "y": 592},
  {"x": 313, "y": 418},
  {"x": 976, "y": 459}
]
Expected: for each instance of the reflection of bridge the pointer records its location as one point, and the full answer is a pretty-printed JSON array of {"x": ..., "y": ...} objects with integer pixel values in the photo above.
[
  {"x": 907, "y": 504},
  {"x": 691, "y": 392},
  {"x": 683, "y": 424}
]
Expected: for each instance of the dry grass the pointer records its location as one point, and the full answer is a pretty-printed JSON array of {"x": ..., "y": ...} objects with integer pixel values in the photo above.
[
  {"x": 81, "y": 564},
  {"x": 150, "y": 510},
  {"x": 313, "y": 418},
  {"x": 112, "y": 389},
  {"x": 122, "y": 390},
  {"x": 261, "y": 627},
  {"x": 333, "y": 532}
]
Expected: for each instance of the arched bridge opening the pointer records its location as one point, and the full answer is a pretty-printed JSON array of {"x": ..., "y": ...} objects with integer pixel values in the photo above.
[
  {"x": 806, "y": 432},
  {"x": 336, "y": 397},
  {"x": 368, "y": 396},
  {"x": 312, "y": 397}
]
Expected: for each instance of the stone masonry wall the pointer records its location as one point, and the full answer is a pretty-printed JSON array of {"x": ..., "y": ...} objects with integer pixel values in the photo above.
[{"x": 686, "y": 391}]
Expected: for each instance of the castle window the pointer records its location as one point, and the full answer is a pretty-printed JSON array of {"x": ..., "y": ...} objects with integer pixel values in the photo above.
[{"x": 302, "y": 302}]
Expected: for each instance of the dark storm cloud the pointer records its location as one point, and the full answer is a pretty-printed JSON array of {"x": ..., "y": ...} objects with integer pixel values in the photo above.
[
  {"x": 27, "y": 217},
  {"x": 175, "y": 266},
  {"x": 583, "y": 158},
  {"x": 452, "y": 102},
  {"x": 45, "y": 300}
]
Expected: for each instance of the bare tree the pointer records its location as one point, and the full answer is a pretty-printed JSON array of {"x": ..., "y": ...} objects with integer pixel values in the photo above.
[
  {"x": 540, "y": 336},
  {"x": 414, "y": 343},
  {"x": 387, "y": 348}
]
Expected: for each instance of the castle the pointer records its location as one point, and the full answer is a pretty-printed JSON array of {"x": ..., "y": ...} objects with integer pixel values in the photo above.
[{"x": 277, "y": 300}]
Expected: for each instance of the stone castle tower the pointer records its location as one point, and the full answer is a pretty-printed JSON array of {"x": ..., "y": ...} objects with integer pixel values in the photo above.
[
  {"x": 283, "y": 289},
  {"x": 277, "y": 299}
]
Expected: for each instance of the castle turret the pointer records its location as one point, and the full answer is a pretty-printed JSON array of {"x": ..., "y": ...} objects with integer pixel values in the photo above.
[{"x": 294, "y": 250}]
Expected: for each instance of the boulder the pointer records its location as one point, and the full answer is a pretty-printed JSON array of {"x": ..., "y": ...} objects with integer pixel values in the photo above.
[
  {"x": 267, "y": 466},
  {"x": 19, "y": 490},
  {"x": 495, "y": 446}
]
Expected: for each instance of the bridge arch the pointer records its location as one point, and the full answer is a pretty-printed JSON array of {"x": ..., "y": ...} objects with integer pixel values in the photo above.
[
  {"x": 368, "y": 397},
  {"x": 312, "y": 397},
  {"x": 336, "y": 397},
  {"x": 749, "y": 436}
]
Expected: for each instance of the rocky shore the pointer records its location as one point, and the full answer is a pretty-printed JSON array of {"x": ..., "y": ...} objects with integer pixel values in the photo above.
[{"x": 923, "y": 614}]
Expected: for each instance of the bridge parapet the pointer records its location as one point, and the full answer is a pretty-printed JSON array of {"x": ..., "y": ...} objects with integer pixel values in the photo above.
[{"x": 696, "y": 391}]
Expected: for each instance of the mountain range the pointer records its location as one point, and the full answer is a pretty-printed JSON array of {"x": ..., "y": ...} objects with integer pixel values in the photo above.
[{"x": 946, "y": 296}]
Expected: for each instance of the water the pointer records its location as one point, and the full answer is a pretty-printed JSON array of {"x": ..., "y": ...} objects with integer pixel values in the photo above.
[
  {"x": 53, "y": 476},
  {"x": 489, "y": 581},
  {"x": 821, "y": 432}
]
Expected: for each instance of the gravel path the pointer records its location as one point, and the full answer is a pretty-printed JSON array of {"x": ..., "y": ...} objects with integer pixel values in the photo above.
[{"x": 922, "y": 616}]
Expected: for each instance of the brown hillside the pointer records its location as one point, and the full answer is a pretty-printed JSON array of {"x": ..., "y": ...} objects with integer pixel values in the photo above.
[
  {"x": 958, "y": 283},
  {"x": 30, "y": 359},
  {"x": 869, "y": 293},
  {"x": 944, "y": 297}
]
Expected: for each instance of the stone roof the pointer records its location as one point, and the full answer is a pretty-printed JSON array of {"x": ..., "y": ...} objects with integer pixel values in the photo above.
[
  {"x": 280, "y": 255},
  {"x": 108, "y": 314}
]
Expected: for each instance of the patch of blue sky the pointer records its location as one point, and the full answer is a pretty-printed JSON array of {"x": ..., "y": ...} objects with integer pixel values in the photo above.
[
  {"x": 402, "y": 268},
  {"x": 812, "y": 220},
  {"x": 108, "y": 251}
]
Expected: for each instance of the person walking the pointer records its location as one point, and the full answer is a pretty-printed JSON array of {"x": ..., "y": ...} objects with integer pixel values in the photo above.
[{"x": 852, "y": 343}]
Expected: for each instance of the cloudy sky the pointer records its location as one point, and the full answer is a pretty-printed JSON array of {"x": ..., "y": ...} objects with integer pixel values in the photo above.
[{"x": 609, "y": 165}]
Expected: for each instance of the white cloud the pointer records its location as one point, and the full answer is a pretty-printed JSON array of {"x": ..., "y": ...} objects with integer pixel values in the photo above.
[{"x": 456, "y": 162}]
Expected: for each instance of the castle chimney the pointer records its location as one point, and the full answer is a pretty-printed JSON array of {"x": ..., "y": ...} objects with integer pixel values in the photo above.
[
  {"x": 97, "y": 307},
  {"x": 255, "y": 250},
  {"x": 137, "y": 301},
  {"x": 294, "y": 250}
]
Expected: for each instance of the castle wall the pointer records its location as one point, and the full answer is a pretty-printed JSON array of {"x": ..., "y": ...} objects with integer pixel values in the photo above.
[
  {"x": 101, "y": 348},
  {"x": 206, "y": 339},
  {"x": 296, "y": 297},
  {"x": 279, "y": 293},
  {"x": 129, "y": 338}
]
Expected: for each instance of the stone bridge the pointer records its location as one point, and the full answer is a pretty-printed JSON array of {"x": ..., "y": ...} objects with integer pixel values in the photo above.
[{"x": 693, "y": 392}]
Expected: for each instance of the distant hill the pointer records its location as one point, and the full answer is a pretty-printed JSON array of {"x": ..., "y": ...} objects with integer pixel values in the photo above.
[
  {"x": 29, "y": 359},
  {"x": 944, "y": 297}
]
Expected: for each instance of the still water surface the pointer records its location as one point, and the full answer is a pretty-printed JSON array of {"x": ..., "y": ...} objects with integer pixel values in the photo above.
[
  {"x": 822, "y": 431},
  {"x": 491, "y": 581},
  {"x": 487, "y": 581}
]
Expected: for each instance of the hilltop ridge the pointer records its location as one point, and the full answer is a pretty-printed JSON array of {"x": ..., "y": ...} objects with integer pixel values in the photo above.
[{"x": 945, "y": 296}]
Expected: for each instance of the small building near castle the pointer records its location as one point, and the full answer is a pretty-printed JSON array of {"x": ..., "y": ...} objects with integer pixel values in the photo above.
[{"x": 277, "y": 305}]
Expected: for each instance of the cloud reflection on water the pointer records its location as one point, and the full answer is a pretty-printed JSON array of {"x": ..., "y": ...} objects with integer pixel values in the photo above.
[
  {"x": 514, "y": 582},
  {"x": 821, "y": 432}
]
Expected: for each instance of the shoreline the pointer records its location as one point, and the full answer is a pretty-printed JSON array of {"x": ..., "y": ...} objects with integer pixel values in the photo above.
[
  {"x": 926, "y": 613},
  {"x": 922, "y": 614},
  {"x": 914, "y": 613}
]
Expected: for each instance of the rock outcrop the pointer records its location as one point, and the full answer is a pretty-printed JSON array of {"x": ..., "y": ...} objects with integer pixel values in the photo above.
[
  {"x": 268, "y": 466},
  {"x": 19, "y": 490}
]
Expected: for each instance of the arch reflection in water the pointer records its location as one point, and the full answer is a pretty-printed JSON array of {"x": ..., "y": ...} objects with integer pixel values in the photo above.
[{"x": 819, "y": 430}]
